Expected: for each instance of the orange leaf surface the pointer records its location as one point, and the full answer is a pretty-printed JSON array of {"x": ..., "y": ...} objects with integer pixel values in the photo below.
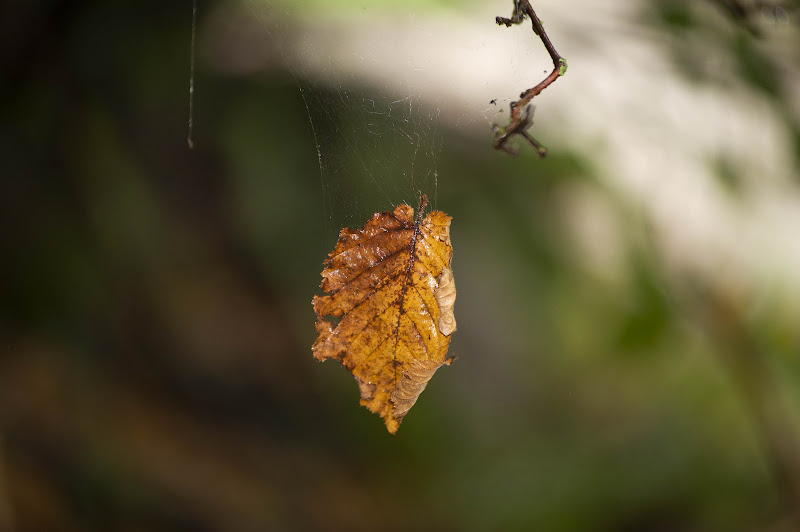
[{"x": 390, "y": 294}]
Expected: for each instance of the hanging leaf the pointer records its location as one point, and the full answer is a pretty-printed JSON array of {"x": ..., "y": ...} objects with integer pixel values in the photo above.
[{"x": 388, "y": 315}]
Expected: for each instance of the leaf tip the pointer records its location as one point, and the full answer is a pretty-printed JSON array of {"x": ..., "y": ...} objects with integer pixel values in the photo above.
[{"x": 324, "y": 332}]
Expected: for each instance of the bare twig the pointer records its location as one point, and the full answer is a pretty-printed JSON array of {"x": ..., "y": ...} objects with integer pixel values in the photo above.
[{"x": 520, "y": 123}]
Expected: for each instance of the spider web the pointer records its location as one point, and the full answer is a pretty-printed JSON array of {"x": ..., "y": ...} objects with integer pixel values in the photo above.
[
  {"x": 376, "y": 149},
  {"x": 377, "y": 84},
  {"x": 378, "y": 144}
]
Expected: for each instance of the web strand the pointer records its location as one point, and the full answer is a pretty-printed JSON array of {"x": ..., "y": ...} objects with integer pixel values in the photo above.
[
  {"x": 189, "y": 139},
  {"x": 370, "y": 142}
]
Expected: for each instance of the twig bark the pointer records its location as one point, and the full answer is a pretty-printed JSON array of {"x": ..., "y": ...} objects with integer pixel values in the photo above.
[{"x": 519, "y": 122}]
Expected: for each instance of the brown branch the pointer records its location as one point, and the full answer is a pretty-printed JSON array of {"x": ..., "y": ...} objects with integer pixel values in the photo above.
[{"x": 519, "y": 122}]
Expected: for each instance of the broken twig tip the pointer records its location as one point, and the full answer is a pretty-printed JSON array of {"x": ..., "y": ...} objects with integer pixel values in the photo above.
[{"x": 562, "y": 68}]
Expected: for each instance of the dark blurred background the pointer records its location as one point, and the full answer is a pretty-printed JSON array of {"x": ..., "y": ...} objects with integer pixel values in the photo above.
[{"x": 628, "y": 350}]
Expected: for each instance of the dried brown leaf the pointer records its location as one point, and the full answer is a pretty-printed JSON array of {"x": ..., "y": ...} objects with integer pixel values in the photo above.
[{"x": 390, "y": 286}]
